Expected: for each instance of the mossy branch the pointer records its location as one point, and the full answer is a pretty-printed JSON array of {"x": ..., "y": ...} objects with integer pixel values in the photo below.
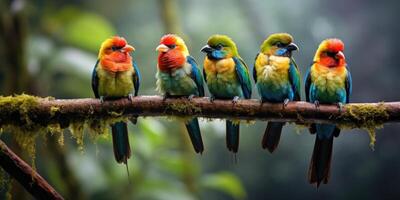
[
  {"x": 25, "y": 175},
  {"x": 29, "y": 112}
]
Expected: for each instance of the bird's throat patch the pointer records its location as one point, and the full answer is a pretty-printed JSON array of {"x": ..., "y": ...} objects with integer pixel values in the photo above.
[{"x": 116, "y": 62}]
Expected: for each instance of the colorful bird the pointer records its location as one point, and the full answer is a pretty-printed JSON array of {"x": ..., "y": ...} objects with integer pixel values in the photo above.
[
  {"x": 329, "y": 82},
  {"x": 178, "y": 75},
  {"x": 114, "y": 76},
  {"x": 227, "y": 77},
  {"x": 277, "y": 79}
]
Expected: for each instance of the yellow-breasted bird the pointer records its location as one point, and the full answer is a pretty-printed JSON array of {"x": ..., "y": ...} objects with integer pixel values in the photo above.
[
  {"x": 328, "y": 81},
  {"x": 277, "y": 79},
  {"x": 114, "y": 76},
  {"x": 227, "y": 77}
]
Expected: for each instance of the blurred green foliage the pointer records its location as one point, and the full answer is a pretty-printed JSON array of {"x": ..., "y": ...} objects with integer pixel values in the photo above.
[{"x": 62, "y": 43}]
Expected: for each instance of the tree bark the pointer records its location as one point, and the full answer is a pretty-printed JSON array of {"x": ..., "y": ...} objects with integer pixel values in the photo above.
[
  {"x": 47, "y": 111},
  {"x": 25, "y": 175}
]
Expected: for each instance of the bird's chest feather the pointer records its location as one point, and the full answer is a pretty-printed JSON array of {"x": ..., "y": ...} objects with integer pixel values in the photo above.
[
  {"x": 273, "y": 77},
  {"x": 222, "y": 78},
  {"x": 272, "y": 70},
  {"x": 115, "y": 84},
  {"x": 329, "y": 82},
  {"x": 176, "y": 81}
]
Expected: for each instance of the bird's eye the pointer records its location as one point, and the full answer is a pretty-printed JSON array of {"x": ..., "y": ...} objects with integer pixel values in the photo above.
[
  {"x": 331, "y": 54},
  {"x": 114, "y": 48},
  {"x": 220, "y": 46},
  {"x": 171, "y": 46},
  {"x": 279, "y": 44}
]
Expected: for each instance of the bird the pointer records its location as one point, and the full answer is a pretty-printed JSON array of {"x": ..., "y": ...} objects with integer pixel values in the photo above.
[
  {"x": 227, "y": 77},
  {"x": 328, "y": 81},
  {"x": 179, "y": 76},
  {"x": 116, "y": 76},
  {"x": 277, "y": 79}
]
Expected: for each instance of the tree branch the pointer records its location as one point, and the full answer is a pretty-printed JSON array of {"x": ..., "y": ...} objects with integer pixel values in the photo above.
[
  {"x": 45, "y": 111},
  {"x": 25, "y": 175}
]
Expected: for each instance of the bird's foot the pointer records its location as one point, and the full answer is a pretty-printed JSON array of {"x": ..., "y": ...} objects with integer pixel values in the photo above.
[
  {"x": 190, "y": 97},
  {"x": 285, "y": 103},
  {"x": 211, "y": 99},
  {"x": 165, "y": 97},
  {"x": 316, "y": 103},
  {"x": 235, "y": 100},
  {"x": 340, "y": 106},
  {"x": 130, "y": 97},
  {"x": 102, "y": 99}
]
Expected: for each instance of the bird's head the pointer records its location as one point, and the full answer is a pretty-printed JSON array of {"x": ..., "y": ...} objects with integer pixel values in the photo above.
[
  {"x": 219, "y": 47},
  {"x": 330, "y": 53},
  {"x": 172, "y": 42},
  {"x": 278, "y": 44},
  {"x": 114, "y": 46},
  {"x": 114, "y": 54},
  {"x": 172, "y": 52}
]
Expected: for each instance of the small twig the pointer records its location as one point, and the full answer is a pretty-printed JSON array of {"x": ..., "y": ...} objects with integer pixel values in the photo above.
[{"x": 25, "y": 175}]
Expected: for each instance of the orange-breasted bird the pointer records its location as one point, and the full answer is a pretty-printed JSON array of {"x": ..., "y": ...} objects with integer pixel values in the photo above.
[
  {"x": 328, "y": 81},
  {"x": 114, "y": 76}
]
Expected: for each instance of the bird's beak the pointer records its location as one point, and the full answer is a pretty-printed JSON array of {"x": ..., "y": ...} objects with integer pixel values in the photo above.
[
  {"x": 127, "y": 48},
  {"x": 292, "y": 46},
  {"x": 162, "y": 48},
  {"x": 206, "y": 49},
  {"x": 340, "y": 55}
]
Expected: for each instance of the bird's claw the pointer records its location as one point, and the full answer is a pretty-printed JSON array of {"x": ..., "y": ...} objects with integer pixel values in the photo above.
[
  {"x": 316, "y": 103},
  {"x": 130, "y": 97},
  {"x": 285, "y": 103},
  {"x": 190, "y": 98},
  {"x": 102, "y": 99},
  {"x": 165, "y": 97},
  {"x": 211, "y": 99},
  {"x": 340, "y": 106},
  {"x": 235, "y": 100}
]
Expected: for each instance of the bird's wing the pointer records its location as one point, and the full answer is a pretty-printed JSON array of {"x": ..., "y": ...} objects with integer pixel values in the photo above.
[
  {"x": 196, "y": 75},
  {"x": 294, "y": 78},
  {"x": 95, "y": 81},
  {"x": 136, "y": 78},
  {"x": 307, "y": 84},
  {"x": 254, "y": 69},
  {"x": 242, "y": 72},
  {"x": 349, "y": 86}
]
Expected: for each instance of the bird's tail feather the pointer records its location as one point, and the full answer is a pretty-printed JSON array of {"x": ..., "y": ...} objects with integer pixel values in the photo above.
[
  {"x": 272, "y": 136},
  {"x": 195, "y": 135},
  {"x": 232, "y": 136},
  {"x": 122, "y": 150},
  {"x": 320, "y": 165}
]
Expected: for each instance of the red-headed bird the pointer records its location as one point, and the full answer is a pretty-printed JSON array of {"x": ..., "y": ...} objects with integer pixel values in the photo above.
[
  {"x": 329, "y": 82},
  {"x": 116, "y": 75},
  {"x": 277, "y": 79},
  {"x": 178, "y": 75},
  {"x": 227, "y": 77}
]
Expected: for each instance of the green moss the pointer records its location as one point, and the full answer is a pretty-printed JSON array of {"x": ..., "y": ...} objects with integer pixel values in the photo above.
[
  {"x": 54, "y": 110},
  {"x": 77, "y": 133},
  {"x": 23, "y": 103},
  {"x": 368, "y": 117},
  {"x": 189, "y": 108},
  {"x": 299, "y": 128},
  {"x": 25, "y": 131}
]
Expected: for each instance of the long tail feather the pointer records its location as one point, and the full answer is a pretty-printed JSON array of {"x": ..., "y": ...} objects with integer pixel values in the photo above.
[
  {"x": 272, "y": 136},
  {"x": 320, "y": 165},
  {"x": 232, "y": 136},
  {"x": 122, "y": 150},
  {"x": 195, "y": 135}
]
